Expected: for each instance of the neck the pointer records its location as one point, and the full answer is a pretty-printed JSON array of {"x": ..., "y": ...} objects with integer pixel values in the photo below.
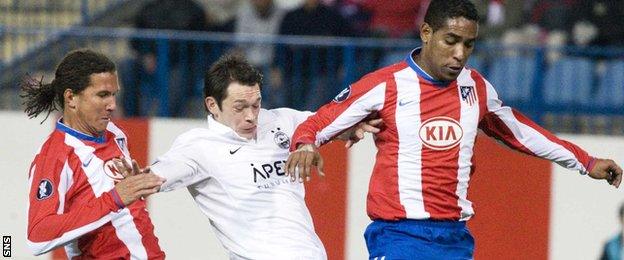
[
  {"x": 73, "y": 122},
  {"x": 422, "y": 63}
]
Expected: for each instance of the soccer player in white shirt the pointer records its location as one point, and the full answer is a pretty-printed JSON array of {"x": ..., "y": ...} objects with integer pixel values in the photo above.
[{"x": 234, "y": 169}]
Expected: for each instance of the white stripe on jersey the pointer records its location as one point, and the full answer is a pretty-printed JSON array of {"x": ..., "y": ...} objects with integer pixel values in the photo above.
[
  {"x": 118, "y": 133},
  {"x": 373, "y": 99},
  {"x": 533, "y": 140},
  {"x": 66, "y": 181},
  {"x": 128, "y": 233},
  {"x": 409, "y": 158},
  {"x": 100, "y": 183},
  {"x": 469, "y": 120}
]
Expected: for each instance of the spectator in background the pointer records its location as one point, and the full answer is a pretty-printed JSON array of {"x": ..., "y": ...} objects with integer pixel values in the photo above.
[
  {"x": 138, "y": 75},
  {"x": 388, "y": 21},
  {"x": 614, "y": 247},
  {"x": 308, "y": 69},
  {"x": 262, "y": 17},
  {"x": 500, "y": 16},
  {"x": 599, "y": 23},
  {"x": 354, "y": 13},
  {"x": 222, "y": 13}
]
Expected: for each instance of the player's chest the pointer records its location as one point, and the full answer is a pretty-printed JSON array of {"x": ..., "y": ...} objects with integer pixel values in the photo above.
[
  {"x": 95, "y": 168},
  {"x": 439, "y": 118},
  {"x": 251, "y": 165}
]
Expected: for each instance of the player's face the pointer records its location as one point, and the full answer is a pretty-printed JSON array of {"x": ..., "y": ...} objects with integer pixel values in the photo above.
[
  {"x": 239, "y": 110},
  {"x": 446, "y": 50},
  {"x": 94, "y": 106}
]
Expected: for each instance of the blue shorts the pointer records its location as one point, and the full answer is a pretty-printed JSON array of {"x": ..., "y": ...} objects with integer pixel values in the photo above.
[{"x": 418, "y": 239}]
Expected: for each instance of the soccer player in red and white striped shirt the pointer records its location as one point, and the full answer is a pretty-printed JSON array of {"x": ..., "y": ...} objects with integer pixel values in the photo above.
[
  {"x": 78, "y": 199},
  {"x": 432, "y": 107}
]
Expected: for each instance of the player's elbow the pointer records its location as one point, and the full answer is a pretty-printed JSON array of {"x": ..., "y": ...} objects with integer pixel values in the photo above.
[
  {"x": 39, "y": 248},
  {"x": 38, "y": 241}
]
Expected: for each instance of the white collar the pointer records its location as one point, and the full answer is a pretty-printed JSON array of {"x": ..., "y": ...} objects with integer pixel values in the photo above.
[{"x": 223, "y": 130}]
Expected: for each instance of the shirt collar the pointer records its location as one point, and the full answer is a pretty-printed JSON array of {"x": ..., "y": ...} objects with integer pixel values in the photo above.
[
  {"x": 412, "y": 63},
  {"x": 224, "y": 130},
  {"x": 80, "y": 135}
]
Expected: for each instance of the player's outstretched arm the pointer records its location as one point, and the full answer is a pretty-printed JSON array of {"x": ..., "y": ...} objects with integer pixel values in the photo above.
[
  {"x": 606, "y": 169},
  {"x": 302, "y": 160},
  {"x": 356, "y": 133}
]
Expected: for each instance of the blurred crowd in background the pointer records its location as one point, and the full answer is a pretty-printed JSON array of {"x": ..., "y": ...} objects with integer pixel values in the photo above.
[{"x": 559, "y": 61}]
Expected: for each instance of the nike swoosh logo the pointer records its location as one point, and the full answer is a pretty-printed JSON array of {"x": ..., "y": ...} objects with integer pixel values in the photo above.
[
  {"x": 233, "y": 152},
  {"x": 86, "y": 163},
  {"x": 404, "y": 102}
]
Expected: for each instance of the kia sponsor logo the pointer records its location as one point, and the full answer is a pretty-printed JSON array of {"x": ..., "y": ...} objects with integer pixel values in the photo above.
[
  {"x": 441, "y": 133},
  {"x": 111, "y": 171}
]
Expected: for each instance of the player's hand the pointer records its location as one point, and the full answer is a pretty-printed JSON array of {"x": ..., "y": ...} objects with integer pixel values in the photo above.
[
  {"x": 139, "y": 186},
  {"x": 126, "y": 169},
  {"x": 302, "y": 160},
  {"x": 137, "y": 183},
  {"x": 606, "y": 169},
  {"x": 356, "y": 133}
]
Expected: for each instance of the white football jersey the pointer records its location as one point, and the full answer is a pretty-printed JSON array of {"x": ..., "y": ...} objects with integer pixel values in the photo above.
[{"x": 241, "y": 185}]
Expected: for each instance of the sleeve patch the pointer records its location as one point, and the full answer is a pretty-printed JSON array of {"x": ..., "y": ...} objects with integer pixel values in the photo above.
[
  {"x": 45, "y": 189},
  {"x": 343, "y": 95}
]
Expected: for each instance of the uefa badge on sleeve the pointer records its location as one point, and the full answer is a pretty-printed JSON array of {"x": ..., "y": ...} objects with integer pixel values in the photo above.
[
  {"x": 343, "y": 95},
  {"x": 44, "y": 189}
]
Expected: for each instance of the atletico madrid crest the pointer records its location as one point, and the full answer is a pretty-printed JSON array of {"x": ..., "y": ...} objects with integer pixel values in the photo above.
[{"x": 468, "y": 95}]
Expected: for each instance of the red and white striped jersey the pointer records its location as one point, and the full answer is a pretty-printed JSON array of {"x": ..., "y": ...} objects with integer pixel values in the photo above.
[
  {"x": 73, "y": 203},
  {"x": 425, "y": 149}
]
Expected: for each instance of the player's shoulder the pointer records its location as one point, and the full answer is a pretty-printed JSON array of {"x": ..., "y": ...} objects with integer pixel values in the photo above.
[
  {"x": 53, "y": 150},
  {"x": 380, "y": 76},
  {"x": 195, "y": 135},
  {"x": 282, "y": 114},
  {"x": 469, "y": 75}
]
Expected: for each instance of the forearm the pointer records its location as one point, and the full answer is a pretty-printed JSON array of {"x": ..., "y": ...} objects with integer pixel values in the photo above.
[
  {"x": 522, "y": 134},
  {"x": 47, "y": 229}
]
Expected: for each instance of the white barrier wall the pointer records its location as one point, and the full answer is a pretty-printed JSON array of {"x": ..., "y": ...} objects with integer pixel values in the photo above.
[
  {"x": 20, "y": 140},
  {"x": 583, "y": 212}
]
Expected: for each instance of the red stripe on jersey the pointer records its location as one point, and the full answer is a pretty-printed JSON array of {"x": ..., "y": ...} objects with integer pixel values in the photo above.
[
  {"x": 383, "y": 201},
  {"x": 439, "y": 167}
]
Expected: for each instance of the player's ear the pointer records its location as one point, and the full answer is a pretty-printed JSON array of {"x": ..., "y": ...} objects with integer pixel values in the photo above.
[
  {"x": 425, "y": 33},
  {"x": 212, "y": 106},
  {"x": 69, "y": 97}
]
